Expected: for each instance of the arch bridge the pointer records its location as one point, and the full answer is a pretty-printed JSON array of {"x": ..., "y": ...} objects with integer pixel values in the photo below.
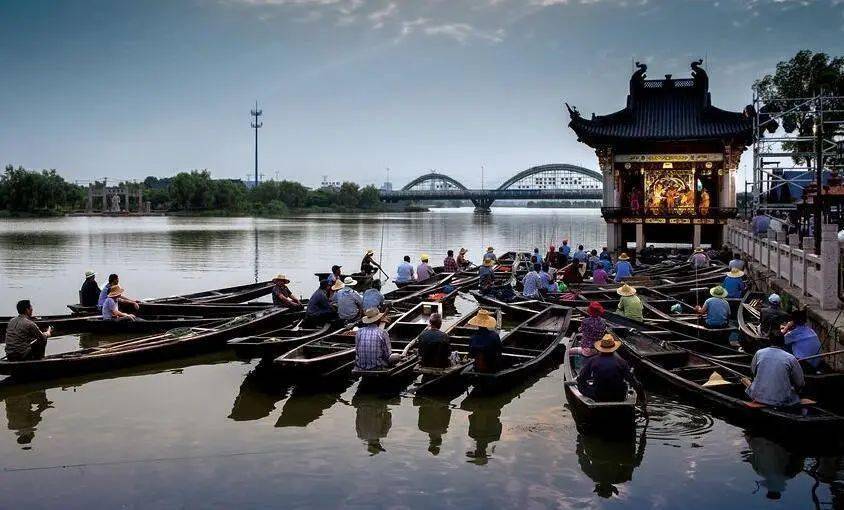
[{"x": 543, "y": 182}]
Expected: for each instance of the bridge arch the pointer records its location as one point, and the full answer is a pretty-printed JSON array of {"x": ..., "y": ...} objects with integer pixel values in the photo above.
[
  {"x": 433, "y": 176},
  {"x": 554, "y": 167}
]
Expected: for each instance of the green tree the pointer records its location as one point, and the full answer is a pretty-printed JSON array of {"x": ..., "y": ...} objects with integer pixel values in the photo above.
[
  {"x": 42, "y": 192},
  {"x": 805, "y": 75},
  {"x": 349, "y": 195},
  {"x": 369, "y": 198},
  {"x": 293, "y": 194}
]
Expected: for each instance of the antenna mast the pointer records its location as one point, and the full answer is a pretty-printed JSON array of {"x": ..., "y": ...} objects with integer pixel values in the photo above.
[{"x": 256, "y": 124}]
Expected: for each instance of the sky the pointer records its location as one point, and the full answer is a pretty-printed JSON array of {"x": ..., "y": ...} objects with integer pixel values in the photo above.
[{"x": 348, "y": 88}]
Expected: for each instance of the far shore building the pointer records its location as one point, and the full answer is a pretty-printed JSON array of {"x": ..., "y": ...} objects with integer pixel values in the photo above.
[{"x": 668, "y": 160}]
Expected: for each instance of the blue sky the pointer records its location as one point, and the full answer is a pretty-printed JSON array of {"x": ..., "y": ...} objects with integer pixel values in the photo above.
[{"x": 126, "y": 89}]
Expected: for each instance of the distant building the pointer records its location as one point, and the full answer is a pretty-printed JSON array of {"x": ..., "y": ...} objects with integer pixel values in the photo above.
[
  {"x": 329, "y": 184},
  {"x": 387, "y": 187}
]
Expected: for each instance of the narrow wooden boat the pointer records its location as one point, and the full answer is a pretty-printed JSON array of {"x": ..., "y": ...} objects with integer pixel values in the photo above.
[
  {"x": 616, "y": 419},
  {"x": 69, "y": 324},
  {"x": 334, "y": 354},
  {"x": 273, "y": 344},
  {"x": 687, "y": 372},
  {"x": 236, "y": 294},
  {"x": 173, "y": 344},
  {"x": 520, "y": 309},
  {"x": 691, "y": 324},
  {"x": 365, "y": 281},
  {"x": 749, "y": 318},
  {"x": 205, "y": 310},
  {"x": 525, "y": 349}
]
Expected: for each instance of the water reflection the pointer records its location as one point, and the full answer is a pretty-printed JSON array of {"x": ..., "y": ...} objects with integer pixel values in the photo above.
[
  {"x": 609, "y": 463},
  {"x": 257, "y": 397},
  {"x": 773, "y": 462},
  {"x": 829, "y": 471},
  {"x": 307, "y": 404},
  {"x": 373, "y": 420},
  {"x": 23, "y": 413},
  {"x": 434, "y": 418}
]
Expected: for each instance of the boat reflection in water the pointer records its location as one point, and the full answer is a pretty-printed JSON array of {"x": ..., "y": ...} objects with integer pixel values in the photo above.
[
  {"x": 773, "y": 462},
  {"x": 434, "y": 418},
  {"x": 307, "y": 404},
  {"x": 257, "y": 397},
  {"x": 609, "y": 462},
  {"x": 23, "y": 413},
  {"x": 373, "y": 420}
]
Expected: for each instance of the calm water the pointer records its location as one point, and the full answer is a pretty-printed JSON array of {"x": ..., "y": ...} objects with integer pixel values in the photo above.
[{"x": 208, "y": 433}]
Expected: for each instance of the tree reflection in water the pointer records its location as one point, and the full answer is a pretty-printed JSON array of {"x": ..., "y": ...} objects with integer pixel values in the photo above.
[
  {"x": 373, "y": 420},
  {"x": 609, "y": 462},
  {"x": 23, "y": 413}
]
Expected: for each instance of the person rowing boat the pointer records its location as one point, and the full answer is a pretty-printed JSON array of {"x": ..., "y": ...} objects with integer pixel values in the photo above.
[
  {"x": 282, "y": 295},
  {"x": 368, "y": 264},
  {"x": 462, "y": 261}
]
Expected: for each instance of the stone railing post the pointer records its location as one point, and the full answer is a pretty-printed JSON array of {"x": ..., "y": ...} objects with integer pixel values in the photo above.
[
  {"x": 830, "y": 267},
  {"x": 793, "y": 244},
  {"x": 809, "y": 244}
]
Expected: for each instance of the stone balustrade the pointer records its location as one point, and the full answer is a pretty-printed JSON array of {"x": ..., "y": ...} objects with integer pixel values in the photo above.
[{"x": 815, "y": 275}]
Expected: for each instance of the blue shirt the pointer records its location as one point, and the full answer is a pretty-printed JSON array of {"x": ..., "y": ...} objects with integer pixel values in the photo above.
[
  {"x": 777, "y": 376},
  {"x": 605, "y": 255},
  {"x": 531, "y": 283},
  {"x": 623, "y": 269},
  {"x": 734, "y": 286},
  {"x": 485, "y": 348},
  {"x": 349, "y": 303},
  {"x": 803, "y": 342},
  {"x": 548, "y": 282},
  {"x": 565, "y": 250},
  {"x": 538, "y": 257},
  {"x": 372, "y": 298},
  {"x": 580, "y": 256},
  {"x": 404, "y": 273},
  {"x": 103, "y": 295},
  {"x": 761, "y": 224},
  {"x": 717, "y": 312},
  {"x": 318, "y": 304},
  {"x": 607, "y": 263}
]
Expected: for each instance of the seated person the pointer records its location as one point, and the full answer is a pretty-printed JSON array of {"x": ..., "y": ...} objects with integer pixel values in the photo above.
[
  {"x": 734, "y": 284},
  {"x": 24, "y": 339},
  {"x": 434, "y": 345},
  {"x": 777, "y": 376},
  {"x": 372, "y": 342},
  {"x": 772, "y": 317},
  {"x": 372, "y": 298},
  {"x": 485, "y": 344},
  {"x": 319, "y": 308},
  {"x": 282, "y": 295},
  {"x": 486, "y": 278},
  {"x": 592, "y": 329},
  {"x": 604, "y": 377},
  {"x": 89, "y": 294},
  {"x": 623, "y": 268},
  {"x": 110, "y": 306},
  {"x": 802, "y": 341},
  {"x": 532, "y": 282},
  {"x": 630, "y": 305},
  {"x": 716, "y": 308},
  {"x": 348, "y": 301}
]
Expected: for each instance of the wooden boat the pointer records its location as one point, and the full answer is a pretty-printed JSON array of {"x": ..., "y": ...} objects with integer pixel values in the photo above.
[
  {"x": 521, "y": 308},
  {"x": 334, "y": 355},
  {"x": 236, "y": 294},
  {"x": 525, "y": 349},
  {"x": 272, "y": 344},
  {"x": 615, "y": 419},
  {"x": 691, "y": 324},
  {"x": 173, "y": 344},
  {"x": 687, "y": 372},
  {"x": 205, "y": 310},
  {"x": 749, "y": 317},
  {"x": 68, "y": 324},
  {"x": 365, "y": 281}
]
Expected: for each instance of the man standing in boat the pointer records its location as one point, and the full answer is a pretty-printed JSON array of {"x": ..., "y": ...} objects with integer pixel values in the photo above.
[
  {"x": 282, "y": 295},
  {"x": 486, "y": 278},
  {"x": 24, "y": 339}
]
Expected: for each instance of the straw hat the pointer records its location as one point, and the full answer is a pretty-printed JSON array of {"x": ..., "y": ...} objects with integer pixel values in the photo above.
[
  {"x": 463, "y": 251},
  {"x": 490, "y": 248},
  {"x": 483, "y": 319},
  {"x": 715, "y": 380},
  {"x": 626, "y": 290},
  {"x": 488, "y": 262},
  {"x": 370, "y": 252},
  {"x": 607, "y": 344},
  {"x": 372, "y": 315},
  {"x": 735, "y": 273},
  {"x": 595, "y": 309},
  {"x": 349, "y": 281},
  {"x": 90, "y": 274},
  {"x": 623, "y": 256},
  {"x": 698, "y": 250},
  {"x": 281, "y": 277},
  {"x": 115, "y": 291},
  {"x": 424, "y": 257},
  {"x": 719, "y": 292},
  {"x": 337, "y": 285}
]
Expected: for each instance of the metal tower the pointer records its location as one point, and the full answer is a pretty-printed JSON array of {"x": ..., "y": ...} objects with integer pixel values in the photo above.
[{"x": 256, "y": 124}]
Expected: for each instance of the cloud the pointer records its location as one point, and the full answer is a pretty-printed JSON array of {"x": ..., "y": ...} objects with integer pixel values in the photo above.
[
  {"x": 380, "y": 16},
  {"x": 462, "y": 32}
]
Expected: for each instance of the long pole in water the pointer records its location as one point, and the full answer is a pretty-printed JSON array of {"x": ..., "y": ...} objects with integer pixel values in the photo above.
[{"x": 381, "y": 249}]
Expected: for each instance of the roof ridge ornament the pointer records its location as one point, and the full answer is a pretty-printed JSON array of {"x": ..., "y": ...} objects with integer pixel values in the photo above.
[
  {"x": 699, "y": 75},
  {"x": 638, "y": 78}
]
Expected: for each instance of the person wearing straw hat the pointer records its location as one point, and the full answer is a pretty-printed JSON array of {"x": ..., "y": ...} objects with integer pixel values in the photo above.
[
  {"x": 372, "y": 342},
  {"x": 368, "y": 264},
  {"x": 462, "y": 261},
  {"x": 110, "y": 308},
  {"x": 486, "y": 277},
  {"x": 716, "y": 308},
  {"x": 699, "y": 260},
  {"x": 777, "y": 376},
  {"x": 630, "y": 305},
  {"x": 604, "y": 378},
  {"x": 623, "y": 268},
  {"x": 90, "y": 291},
  {"x": 348, "y": 301},
  {"x": 423, "y": 270},
  {"x": 404, "y": 273},
  {"x": 734, "y": 284},
  {"x": 490, "y": 254},
  {"x": 485, "y": 344},
  {"x": 282, "y": 295}
]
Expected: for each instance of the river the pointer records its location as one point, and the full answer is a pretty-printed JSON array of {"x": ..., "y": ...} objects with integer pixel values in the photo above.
[{"x": 207, "y": 433}]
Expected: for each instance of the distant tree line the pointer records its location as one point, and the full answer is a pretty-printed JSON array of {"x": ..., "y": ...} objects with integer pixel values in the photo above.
[{"x": 38, "y": 193}]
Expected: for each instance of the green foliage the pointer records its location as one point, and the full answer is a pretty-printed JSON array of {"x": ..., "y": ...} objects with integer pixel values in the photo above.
[
  {"x": 805, "y": 75},
  {"x": 369, "y": 198},
  {"x": 44, "y": 192},
  {"x": 349, "y": 195}
]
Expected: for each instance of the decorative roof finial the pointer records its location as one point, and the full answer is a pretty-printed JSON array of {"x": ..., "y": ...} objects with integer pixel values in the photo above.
[{"x": 699, "y": 75}]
